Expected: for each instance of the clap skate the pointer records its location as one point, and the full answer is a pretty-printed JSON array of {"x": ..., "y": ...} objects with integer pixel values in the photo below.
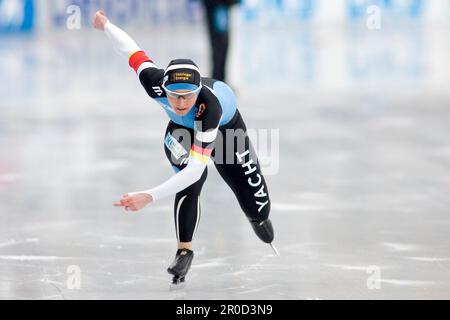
[
  {"x": 180, "y": 267},
  {"x": 264, "y": 231}
]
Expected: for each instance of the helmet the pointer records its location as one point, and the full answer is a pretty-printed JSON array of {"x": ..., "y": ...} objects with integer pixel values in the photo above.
[{"x": 182, "y": 74}]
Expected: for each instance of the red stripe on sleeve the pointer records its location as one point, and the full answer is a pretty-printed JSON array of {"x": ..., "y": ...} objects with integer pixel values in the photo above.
[
  {"x": 138, "y": 58},
  {"x": 202, "y": 151}
]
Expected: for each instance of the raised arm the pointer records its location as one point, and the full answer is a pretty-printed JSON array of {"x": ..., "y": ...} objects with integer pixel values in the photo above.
[
  {"x": 149, "y": 74},
  {"x": 121, "y": 41}
]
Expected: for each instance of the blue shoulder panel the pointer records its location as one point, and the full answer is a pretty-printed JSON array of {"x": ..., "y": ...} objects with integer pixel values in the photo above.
[
  {"x": 224, "y": 94},
  {"x": 227, "y": 100}
]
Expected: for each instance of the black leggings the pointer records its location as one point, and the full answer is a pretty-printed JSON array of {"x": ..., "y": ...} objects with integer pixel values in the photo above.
[{"x": 237, "y": 163}]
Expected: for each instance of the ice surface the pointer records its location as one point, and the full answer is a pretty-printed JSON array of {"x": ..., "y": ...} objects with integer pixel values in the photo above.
[{"x": 362, "y": 189}]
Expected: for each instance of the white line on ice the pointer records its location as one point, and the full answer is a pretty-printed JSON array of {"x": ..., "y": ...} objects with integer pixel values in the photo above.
[
  {"x": 408, "y": 282},
  {"x": 138, "y": 240},
  {"x": 312, "y": 243},
  {"x": 13, "y": 242},
  {"x": 34, "y": 258},
  {"x": 127, "y": 282},
  {"x": 296, "y": 207},
  {"x": 208, "y": 265},
  {"x": 400, "y": 246},
  {"x": 234, "y": 288},
  {"x": 258, "y": 289},
  {"x": 354, "y": 268},
  {"x": 45, "y": 280},
  {"x": 50, "y": 297},
  {"x": 49, "y": 225},
  {"x": 429, "y": 259}
]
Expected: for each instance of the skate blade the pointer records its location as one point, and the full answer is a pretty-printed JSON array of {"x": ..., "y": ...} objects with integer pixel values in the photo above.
[
  {"x": 274, "y": 249},
  {"x": 174, "y": 286},
  {"x": 177, "y": 284}
]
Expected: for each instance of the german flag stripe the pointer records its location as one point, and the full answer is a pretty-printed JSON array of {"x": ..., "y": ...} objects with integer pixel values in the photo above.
[
  {"x": 138, "y": 58},
  {"x": 198, "y": 156},
  {"x": 202, "y": 151}
]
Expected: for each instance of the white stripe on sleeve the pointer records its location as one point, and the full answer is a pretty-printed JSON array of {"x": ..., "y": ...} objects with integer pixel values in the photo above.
[
  {"x": 146, "y": 65},
  {"x": 207, "y": 136}
]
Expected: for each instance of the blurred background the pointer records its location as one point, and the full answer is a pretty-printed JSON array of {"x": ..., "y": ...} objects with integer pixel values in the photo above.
[{"x": 356, "y": 91}]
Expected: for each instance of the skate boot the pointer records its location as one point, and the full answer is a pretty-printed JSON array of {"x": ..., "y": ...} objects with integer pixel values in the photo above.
[
  {"x": 180, "y": 267},
  {"x": 264, "y": 231}
]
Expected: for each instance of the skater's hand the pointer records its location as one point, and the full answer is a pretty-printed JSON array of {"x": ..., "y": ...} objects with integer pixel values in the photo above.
[
  {"x": 134, "y": 202},
  {"x": 100, "y": 20}
]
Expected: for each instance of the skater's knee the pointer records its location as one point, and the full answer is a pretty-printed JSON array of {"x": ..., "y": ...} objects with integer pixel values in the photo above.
[{"x": 195, "y": 189}]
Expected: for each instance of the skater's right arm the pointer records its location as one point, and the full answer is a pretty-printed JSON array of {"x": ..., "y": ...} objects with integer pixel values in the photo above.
[{"x": 149, "y": 74}]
